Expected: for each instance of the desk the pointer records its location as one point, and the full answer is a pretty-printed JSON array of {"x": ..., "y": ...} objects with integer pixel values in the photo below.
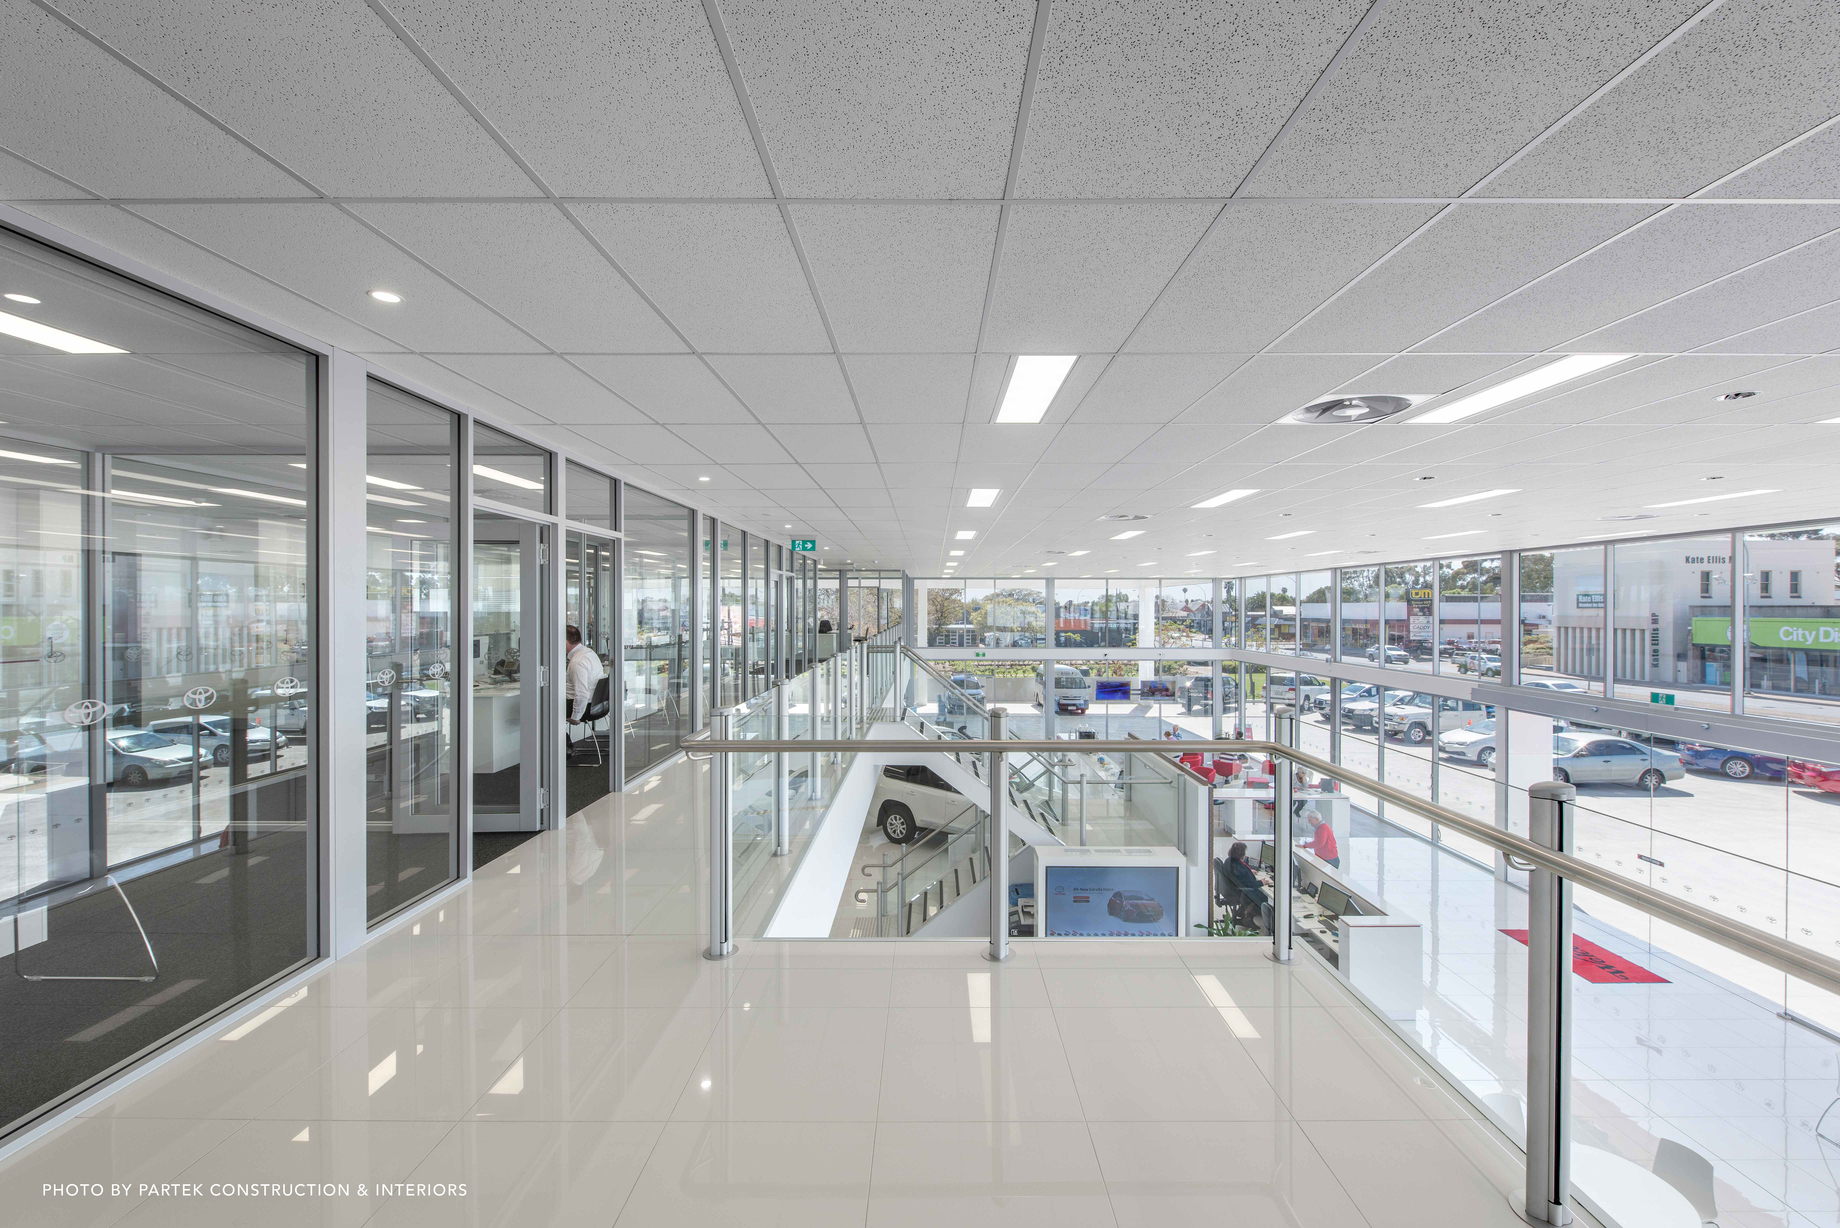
[
  {"x": 1245, "y": 813},
  {"x": 498, "y": 712},
  {"x": 1379, "y": 953},
  {"x": 1632, "y": 1196}
]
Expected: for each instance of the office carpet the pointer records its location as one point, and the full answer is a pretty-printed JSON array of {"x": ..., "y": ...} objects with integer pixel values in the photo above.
[{"x": 491, "y": 845}]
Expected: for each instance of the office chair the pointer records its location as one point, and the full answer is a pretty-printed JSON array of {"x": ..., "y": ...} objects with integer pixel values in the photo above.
[
  {"x": 599, "y": 705},
  {"x": 1691, "y": 1173}
]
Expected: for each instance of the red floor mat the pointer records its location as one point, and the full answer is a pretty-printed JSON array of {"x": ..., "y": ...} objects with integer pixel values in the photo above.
[{"x": 1598, "y": 966}]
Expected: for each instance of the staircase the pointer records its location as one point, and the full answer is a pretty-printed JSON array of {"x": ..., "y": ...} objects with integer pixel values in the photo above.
[{"x": 919, "y": 880}]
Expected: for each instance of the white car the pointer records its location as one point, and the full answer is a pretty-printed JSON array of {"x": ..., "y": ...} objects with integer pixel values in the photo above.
[
  {"x": 1585, "y": 759},
  {"x": 1474, "y": 743},
  {"x": 1568, "y": 688},
  {"x": 1365, "y": 713},
  {"x": 1295, "y": 689},
  {"x": 911, "y": 801},
  {"x": 1414, "y": 722}
]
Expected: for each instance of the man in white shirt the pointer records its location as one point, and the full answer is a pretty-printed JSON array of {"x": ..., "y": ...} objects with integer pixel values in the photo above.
[{"x": 583, "y": 671}]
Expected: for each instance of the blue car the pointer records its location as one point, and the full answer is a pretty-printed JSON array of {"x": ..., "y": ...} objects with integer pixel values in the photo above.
[{"x": 1737, "y": 764}]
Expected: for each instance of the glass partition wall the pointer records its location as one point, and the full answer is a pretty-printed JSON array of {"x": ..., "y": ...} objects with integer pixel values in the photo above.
[
  {"x": 656, "y": 631},
  {"x": 588, "y": 600},
  {"x": 411, "y": 816},
  {"x": 157, "y": 670}
]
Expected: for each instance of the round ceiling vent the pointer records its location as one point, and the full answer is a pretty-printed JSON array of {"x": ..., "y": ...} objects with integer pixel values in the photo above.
[
  {"x": 1125, "y": 516},
  {"x": 1629, "y": 516},
  {"x": 1352, "y": 411}
]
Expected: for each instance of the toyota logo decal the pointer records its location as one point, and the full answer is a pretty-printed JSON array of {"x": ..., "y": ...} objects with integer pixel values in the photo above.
[
  {"x": 85, "y": 711},
  {"x": 200, "y": 697}
]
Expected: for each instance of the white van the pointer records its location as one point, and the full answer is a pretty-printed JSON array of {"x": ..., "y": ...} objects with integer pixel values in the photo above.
[
  {"x": 911, "y": 801},
  {"x": 1073, "y": 691}
]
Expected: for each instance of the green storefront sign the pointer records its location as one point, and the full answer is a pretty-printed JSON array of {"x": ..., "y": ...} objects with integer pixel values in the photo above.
[{"x": 1809, "y": 634}]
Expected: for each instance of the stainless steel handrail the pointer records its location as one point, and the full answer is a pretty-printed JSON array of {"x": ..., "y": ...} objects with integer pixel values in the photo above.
[{"x": 1778, "y": 953}]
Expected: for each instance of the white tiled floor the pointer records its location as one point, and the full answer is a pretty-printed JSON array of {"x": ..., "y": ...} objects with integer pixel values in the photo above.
[{"x": 553, "y": 1039}]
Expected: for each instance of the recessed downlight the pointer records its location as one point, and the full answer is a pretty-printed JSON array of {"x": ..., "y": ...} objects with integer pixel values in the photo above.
[
  {"x": 386, "y": 296},
  {"x": 1127, "y": 535},
  {"x": 965, "y": 535},
  {"x": 1539, "y": 379},
  {"x": 1475, "y": 498},
  {"x": 1222, "y": 499},
  {"x": 1033, "y": 381},
  {"x": 1736, "y": 494},
  {"x": 702, "y": 479},
  {"x": 982, "y": 496},
  {"x": 24, "y": 298},
  {"x": 1293, "y": 533}
]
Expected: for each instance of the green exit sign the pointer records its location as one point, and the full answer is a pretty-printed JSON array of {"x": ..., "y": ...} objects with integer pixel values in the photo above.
[
  {"x": 804, "y": 543},
  {"x": 1660, "y": 697}
]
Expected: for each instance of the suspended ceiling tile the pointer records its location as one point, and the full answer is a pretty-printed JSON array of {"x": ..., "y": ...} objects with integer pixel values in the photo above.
[
  {"x": 915, "y": 99},
  {"x": 1781, "y": 286},
  {"x": 1153, "y": 387},
  {"x": 904, "y": 444},
  {"x": 839, "y": 443},
  {"x": 626, "y": 100},
  {"x": 1667, "y": 255},
  {"x": 1077, "y": 278},
  {"x": 1485, "y": 79},
  {"x": 1264, "y": 266},
  {"x": 530, "y": 263},
  {"x": 20, "y": 180},
  {"x": 119, "y": 134},
  {"x": 900, "y": 277},
  {"x": 1170, "y": 97},
  {"x": 453, "y": 387},
  {"x": 1466, "y": 259},
  {"x": 325, "y": 253},
  {"x": 545, "y": 384},
  {"x": 1740, "y": 83},
  {"x": 788, "y": 387},
  {"x": 645, "y": 445},
  {"x": 910, "y": 387},
  {"x": 671, "y": 388},
  {"x": 1809, "y": 168},
  {"x": 724, "y": 274},
  {"x": 1006, "y": 441},
  {"x": 376, "y": 125}
]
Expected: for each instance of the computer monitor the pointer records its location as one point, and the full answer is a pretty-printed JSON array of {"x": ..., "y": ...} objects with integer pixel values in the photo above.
[
  {"x": 1334, "y": 900},
  {"x": 1268, "y": 854}
]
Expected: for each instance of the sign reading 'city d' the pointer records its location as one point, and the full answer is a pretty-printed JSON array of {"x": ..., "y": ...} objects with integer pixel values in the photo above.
[
  {"x": 804, "y": 543},
  {"x": 1814, "y": 634}
]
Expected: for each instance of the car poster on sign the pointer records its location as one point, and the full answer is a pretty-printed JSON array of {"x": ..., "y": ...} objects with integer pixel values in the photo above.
[{"x": 1111, "y": 901}]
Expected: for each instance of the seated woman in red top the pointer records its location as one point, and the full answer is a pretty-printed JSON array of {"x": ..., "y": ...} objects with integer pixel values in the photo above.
[{"x": 1322, "y": 841}]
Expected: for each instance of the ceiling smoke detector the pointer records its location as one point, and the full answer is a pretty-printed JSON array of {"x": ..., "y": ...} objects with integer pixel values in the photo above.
[
  {"x": 1351, "y": 411},
  {"x": 1125, "y": 516}
]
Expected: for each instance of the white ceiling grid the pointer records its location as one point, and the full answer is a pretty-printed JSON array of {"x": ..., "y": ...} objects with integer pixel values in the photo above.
[{"x": 790, "y": 247}]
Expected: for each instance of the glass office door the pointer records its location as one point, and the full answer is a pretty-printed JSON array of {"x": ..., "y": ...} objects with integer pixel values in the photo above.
[
  {"x": 509, "y": 641},
  {"x": 587, "y": 588}
]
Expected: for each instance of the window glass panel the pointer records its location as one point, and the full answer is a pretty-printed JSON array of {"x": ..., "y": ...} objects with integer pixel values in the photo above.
[
  {"x": 1255, "y": 614},
  {"x": 759, "y": 664},
  {"x": 1408, "y": 617},
  {"x": 1281, "y": 620},
  {"x": 655, "y": 612},
  {"x": 1092, "y": 614},
  {"x": 1315, "y": 629},
  {"x": 1562, "y": 619},
  {"x": 1666, "y": 637},
  {"x": 1229, "y": 614},
  {"x": 1469, "y": 617},
  {"x": 729, "y": 689},
  {"x": 1360, "y": 613},
  {"x": 157, "y": 674},
  {"x": 830, "y": 613},
  {"x": 590, "y": 495},
  {"x": 1793, "y": 655},
  {"x": 509, "y": 471},
  {"x": 711, "y": 589},
  {"x": 411, "y": 825},
  {"x": 1184, "y": 614},
  {"x": 947, "y": 622},
  {"x": 1005, "y": 613}
]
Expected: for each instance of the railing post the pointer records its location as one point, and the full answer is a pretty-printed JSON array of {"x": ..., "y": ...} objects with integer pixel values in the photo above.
[
  {"x": 1549, "y": 1010},
  {"x": 782, "y": 776},
  {"x": 1284, "y": 732},
  {"x": 998, "y": 827},
  {"x": 721, "y": 843}
]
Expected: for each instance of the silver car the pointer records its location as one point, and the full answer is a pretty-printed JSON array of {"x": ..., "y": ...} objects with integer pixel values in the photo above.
[
  {"x": 140, "y": 756},
  {"x": 214, "y": 737},
  {"x": 1586, "y": 759},
  {"x": 1474, "y": 745}
]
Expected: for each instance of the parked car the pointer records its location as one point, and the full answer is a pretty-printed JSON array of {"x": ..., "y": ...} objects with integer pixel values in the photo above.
[
  {"x": 951, "y": 703},
  {"x": 1584, "y": 759},
  {"x": 1394, "y": 656},
  {"x": 138, "y": 757},
  {"x": 1737, "y": 764},
  {"x": 1296, "y": 689},
  {"x": 1198, "y": 692},
  {"x": 1365, "y": 713},
  {"x": 214, "y": 737},
  {"x": 1351, "y": 692},
  {"x": 1560, "y": 685},
  {"x": 1472, "y": 743},
  {"x": 910, "y": 801},
  {"x": 1416, "y": 722},
  {"x": 1485, "y": 664},
  {"x": 1814, "y": 776},
  {"x": 1073, "y": 691},
  {"x": 1134, "y": 906}
]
